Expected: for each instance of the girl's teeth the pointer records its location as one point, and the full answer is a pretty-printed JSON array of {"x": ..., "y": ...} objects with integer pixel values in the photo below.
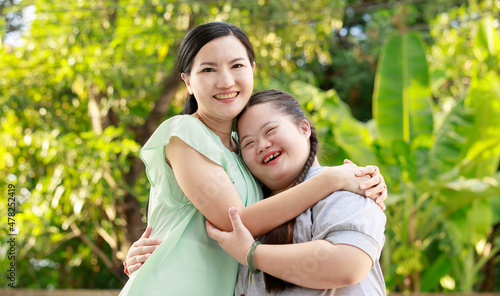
[{"x": 271, "y": 157}]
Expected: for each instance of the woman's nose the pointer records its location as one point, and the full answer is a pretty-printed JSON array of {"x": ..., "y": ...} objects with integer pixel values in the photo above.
[{"x": 225, "y": 79}]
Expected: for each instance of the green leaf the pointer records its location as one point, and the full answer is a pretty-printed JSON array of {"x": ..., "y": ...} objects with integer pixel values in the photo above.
[
  {"x": 350, "y": 134},
  {"x": 354, "y": 138},
  {"x": 450, "y": 140},
  {"x": 485, "y": 36},
  {"x": 401, "y": 98},
  {"x": 432, "y": 275},
  {"x": 484, "y": 101}
]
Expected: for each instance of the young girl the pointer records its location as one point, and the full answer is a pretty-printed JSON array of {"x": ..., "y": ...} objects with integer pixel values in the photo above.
[
  {"x": 336, "y": 243},
  {"x": 196, "y": 173}
]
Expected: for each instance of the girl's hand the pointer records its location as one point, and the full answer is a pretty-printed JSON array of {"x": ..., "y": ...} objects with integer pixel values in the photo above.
[
  {"x": 141, "y": 250},
  {"x": 375, "y": 187},
  {"x": 236, "y": 243}
]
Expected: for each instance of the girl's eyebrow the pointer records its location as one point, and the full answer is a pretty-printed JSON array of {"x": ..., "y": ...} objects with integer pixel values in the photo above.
[{"x": 262, "y": 127}]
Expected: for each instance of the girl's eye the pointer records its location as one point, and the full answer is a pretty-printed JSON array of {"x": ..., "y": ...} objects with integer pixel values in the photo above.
[
  {"x": 270, "y": 130},
  {"x": 238, "y": 66},
  {"x": 247, "y": 144},
  {"x": 207, "y": 70}
]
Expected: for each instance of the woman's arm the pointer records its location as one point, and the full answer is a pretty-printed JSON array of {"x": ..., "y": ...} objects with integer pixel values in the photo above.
[
  {"x": 208, "y": 187},
  {"x": 315, "y": 264}
]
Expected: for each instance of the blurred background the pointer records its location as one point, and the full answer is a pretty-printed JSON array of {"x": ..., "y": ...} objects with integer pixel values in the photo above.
[{"x": 410, "y": 86}]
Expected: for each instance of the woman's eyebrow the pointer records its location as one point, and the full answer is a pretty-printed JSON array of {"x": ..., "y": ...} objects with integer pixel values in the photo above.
[{"x": 209, "y": 63}]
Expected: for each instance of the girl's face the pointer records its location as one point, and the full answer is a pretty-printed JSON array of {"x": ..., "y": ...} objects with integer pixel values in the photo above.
[
  {"x": 221, "y": 78},
  {"x": 273, "y": 147}
]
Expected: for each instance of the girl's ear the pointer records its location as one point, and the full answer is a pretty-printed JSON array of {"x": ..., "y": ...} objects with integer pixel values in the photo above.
[
  {"x": 305, "y": 127},
  {"x": 186, "y": 80}
]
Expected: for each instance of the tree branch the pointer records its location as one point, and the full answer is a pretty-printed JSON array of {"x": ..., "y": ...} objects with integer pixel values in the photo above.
[
  {"x": 94, "y": 248},
  {"x": 169, "y": 88}
]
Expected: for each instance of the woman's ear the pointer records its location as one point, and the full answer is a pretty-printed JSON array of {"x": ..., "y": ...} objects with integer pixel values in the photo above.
[
  {"x": 305, "y": 127},
  {"x": 185, "y": 78}
]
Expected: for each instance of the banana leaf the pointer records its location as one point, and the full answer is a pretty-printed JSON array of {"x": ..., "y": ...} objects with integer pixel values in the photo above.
[{"x": 402, "y": 105}]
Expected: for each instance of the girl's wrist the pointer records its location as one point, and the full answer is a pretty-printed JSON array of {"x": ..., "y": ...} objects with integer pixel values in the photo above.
[{"x": 250, "y": 257}]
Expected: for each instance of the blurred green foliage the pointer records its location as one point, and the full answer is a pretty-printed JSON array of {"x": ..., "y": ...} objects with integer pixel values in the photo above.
[{"x": 84, "y": 83}]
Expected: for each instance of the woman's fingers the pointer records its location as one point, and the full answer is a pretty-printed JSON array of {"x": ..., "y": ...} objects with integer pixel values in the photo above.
[
  {"x": 347, "y": 161},
  {"x": 133, "y": 267},
  {"x": 372, "y": 182},
  {"x": 146, "y": 242},
  {"x": 376, "y": 187},
  {"x": 142, "y": 250},
  {"x": 147, "y": 232},
  {"x": 367, "y": 170},
  {"x": 382, "y": 206},
  {"x": 138, "y": 259},
  {"x": 382, "y": 197},
  {"x": 375, "y": 191}
]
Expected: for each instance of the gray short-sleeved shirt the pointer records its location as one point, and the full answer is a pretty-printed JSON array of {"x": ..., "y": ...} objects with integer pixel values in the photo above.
[{"x": 342, "y": 218}]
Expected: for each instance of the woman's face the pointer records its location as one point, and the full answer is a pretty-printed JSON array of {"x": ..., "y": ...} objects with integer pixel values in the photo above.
[
  {"x": 221, "y": 78},
  {"x": 273, "y": 147}
]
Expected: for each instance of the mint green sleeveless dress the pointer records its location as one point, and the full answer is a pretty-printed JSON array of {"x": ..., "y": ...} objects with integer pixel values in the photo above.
[{"x": 188, "y": 262}]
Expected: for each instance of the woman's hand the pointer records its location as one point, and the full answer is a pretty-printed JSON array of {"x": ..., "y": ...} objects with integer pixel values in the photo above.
[
  {"x": 236, "y": 243},
  {"x": 375, "y": 187},
  {"x": 365, "y": 181},
  {"x": 141, "y": 250}
]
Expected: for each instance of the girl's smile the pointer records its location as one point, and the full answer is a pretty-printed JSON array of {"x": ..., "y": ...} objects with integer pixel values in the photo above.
[{"x": 273, "y": 147}]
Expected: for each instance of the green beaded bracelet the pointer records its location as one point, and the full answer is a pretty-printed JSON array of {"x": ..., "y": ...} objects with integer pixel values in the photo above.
[{"x": 252, "y": 269}]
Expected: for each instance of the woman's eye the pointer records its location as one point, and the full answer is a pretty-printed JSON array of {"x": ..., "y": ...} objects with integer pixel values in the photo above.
[
  {"x": 238, "y": 66},
  {"x": 207, "y": 70}
]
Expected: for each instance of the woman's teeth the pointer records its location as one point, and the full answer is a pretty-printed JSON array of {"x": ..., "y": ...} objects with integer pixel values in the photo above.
[
  {"x": 271, "y": 157},
  {"x": 226, "y": 96}
]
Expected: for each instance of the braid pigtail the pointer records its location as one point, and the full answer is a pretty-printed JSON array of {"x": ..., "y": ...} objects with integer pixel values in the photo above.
[{"x": 312, "y": 154}]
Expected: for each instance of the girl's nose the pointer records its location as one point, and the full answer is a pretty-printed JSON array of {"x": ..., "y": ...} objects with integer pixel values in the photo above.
[{"x": 263, "y": 145}]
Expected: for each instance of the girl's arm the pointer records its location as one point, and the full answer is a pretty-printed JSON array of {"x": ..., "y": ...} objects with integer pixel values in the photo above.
[
  {"x": 315, "y": 264},
  {"x": 208, "y": 187}
]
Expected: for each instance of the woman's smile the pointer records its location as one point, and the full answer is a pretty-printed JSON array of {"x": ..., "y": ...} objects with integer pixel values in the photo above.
[{"x": 226, "y": 96}]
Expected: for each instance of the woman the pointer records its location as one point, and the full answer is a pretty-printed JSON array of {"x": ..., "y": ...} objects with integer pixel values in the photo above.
[
  {"x": 195, "y": 173},
  {"x": 336, "y": 243}
]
